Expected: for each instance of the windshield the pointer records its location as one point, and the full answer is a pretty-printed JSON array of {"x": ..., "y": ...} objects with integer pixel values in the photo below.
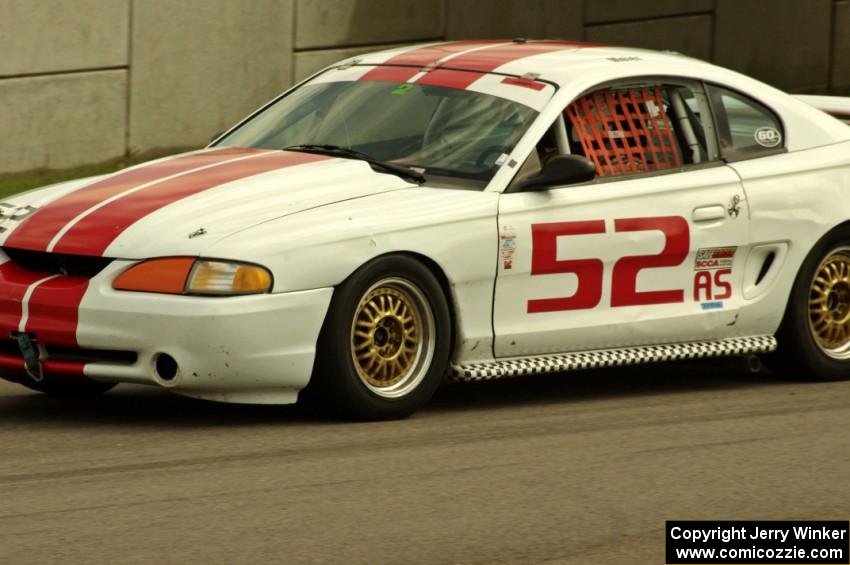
[{"x": 445, "y": 131}]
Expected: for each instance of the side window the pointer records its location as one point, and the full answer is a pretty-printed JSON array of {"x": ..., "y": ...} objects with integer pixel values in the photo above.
[
  {"x": 746, "y": 129},
  {"x": 637, "y": 128}
]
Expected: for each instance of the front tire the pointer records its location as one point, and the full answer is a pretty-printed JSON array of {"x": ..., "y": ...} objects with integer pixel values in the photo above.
[
  {"x": 386, "y": 341},
  {"x": 814, "y": 339}
]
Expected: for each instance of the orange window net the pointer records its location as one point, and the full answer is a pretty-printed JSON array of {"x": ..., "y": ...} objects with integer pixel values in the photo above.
[{"x": 626, "y": 130}]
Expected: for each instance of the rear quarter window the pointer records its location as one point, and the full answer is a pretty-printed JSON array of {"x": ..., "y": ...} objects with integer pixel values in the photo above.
[{"x": 747, "y": 129}]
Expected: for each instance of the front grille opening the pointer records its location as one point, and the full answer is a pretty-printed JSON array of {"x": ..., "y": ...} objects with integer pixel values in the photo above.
[
  {"x": 59, "y": 353},
  {"x": 57, "y": 263},
  {"x": 113, "y": 357}
]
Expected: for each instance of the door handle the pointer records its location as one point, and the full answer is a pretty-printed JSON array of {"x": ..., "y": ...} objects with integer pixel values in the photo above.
[{"x": 709, "y": 213}]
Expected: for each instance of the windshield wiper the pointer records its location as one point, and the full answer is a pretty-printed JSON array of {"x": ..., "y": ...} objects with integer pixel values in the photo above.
[{"x": 346, "y": 152}]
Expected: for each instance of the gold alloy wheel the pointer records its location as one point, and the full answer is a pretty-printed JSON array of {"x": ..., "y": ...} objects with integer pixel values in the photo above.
[
  {"x": 829, "y": 304},
  {"x": 391, "y": 337}
]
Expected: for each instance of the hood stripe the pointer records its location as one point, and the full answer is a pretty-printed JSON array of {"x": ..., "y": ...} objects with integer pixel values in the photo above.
[
  {"x": 41, "y": 227},
  {"x": 93, "y": 233},
  {"x": 129, "y": 191}
]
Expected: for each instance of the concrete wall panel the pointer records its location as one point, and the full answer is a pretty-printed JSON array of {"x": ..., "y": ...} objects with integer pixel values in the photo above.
[
  {"x": 514, "y": 18},
  {"x": 182, "y": 70},
  {"x": 841, "y": 48},
  {"x": 38, "y": 36},
  {"x": 308, "y": 62},
  {"x": 197, "y": 66},
  {"x": 690, "y": 35},
  {"x": 784, "y": 42},
  {"x": 338, "y": 23},
  {"x": 599, "y": 11},
  {"x": 62, "y": 121}
]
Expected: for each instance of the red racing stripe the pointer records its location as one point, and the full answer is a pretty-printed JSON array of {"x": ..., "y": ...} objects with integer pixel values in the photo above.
[
  {"x": 410, "y": 63},
  {"x": 14, "y": 282},
  {"x": 36, "y": 232},
  {"x": 465, "y": 68},
  {"x": 95, "y": 232},
  {"x": 450, "y": 79},
  {"x": 487, "y": 60},
  {"x": 53, "y": 310},
  {"x": 12, "y": 369}
]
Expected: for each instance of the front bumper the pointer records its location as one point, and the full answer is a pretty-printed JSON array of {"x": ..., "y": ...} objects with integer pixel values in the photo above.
[{"x": 249, "y": 349}]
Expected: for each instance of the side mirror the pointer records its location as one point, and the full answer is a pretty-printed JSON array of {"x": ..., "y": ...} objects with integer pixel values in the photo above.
[{"x": 561, "y": 170}]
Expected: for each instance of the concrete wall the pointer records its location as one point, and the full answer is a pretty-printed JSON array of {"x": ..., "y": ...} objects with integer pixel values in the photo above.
[{"x": 85, "y": 81}]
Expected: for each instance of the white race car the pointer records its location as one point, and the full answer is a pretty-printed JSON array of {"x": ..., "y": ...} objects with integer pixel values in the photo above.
[{"x": 476, "y": 209}]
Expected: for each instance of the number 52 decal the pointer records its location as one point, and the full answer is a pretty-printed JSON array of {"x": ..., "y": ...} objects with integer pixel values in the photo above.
[{"x": 590, "y": 272}]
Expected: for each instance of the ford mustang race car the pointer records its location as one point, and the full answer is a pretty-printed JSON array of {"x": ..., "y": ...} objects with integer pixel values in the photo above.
[{"x": 471, "y": 209}]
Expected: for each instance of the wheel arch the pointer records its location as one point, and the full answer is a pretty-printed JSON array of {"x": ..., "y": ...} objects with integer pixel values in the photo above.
[
  {"x": 435, "y": 269},
  {"x": 830, "y": 234}
]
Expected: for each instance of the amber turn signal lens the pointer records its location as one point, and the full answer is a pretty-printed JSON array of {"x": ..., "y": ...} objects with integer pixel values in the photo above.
[{"x": 166, "y": 276}]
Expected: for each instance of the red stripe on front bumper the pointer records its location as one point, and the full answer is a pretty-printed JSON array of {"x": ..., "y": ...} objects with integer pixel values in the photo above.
[
  {"x": 14, "y": 282},
  {"x": 12, "y": 369},
  {"x": 54, "y": 309}
]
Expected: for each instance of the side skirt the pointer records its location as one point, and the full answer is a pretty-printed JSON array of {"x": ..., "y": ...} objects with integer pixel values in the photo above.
[{"x": 519, "y": 366}]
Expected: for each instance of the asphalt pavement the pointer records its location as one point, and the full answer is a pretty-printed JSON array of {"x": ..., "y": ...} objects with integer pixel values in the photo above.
[{"x": 573, "y": 468}]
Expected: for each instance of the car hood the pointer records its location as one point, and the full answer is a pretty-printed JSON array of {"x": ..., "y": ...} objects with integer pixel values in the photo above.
[{"x": 181, "y": 205}]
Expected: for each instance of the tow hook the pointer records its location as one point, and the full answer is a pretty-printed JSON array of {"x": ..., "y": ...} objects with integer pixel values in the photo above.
[{"x": 31, "y": 355}]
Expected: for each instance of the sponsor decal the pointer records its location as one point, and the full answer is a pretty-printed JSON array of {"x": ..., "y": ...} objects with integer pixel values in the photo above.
[
  {"x": 768, "y": 137},
  {"x": 713, "y": 285},
  {"x": 507, "y": 246},
  {"x": 402, "y": 89},
  {"x": 714, "y": 258}
]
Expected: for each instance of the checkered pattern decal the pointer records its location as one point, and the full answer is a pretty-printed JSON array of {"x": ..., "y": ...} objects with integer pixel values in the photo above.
[{"x": 611, "y": 358}]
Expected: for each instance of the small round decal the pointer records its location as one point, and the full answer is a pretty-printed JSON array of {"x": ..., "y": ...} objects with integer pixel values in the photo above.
[{"x": 768, "y": 137}]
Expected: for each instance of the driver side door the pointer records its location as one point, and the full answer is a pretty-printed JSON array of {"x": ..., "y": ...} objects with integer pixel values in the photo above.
[{"x": 649, "y": 253}]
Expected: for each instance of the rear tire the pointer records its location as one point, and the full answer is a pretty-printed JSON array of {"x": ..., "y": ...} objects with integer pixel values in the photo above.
[
  {"x": 814, "y": 339},
  {"x": 385, "y": 343}
]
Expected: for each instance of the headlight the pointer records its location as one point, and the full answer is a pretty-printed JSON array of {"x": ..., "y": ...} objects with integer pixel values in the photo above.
[
  {"x": 185, "y": 275},
  {"x": 225, "y": 277}
]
